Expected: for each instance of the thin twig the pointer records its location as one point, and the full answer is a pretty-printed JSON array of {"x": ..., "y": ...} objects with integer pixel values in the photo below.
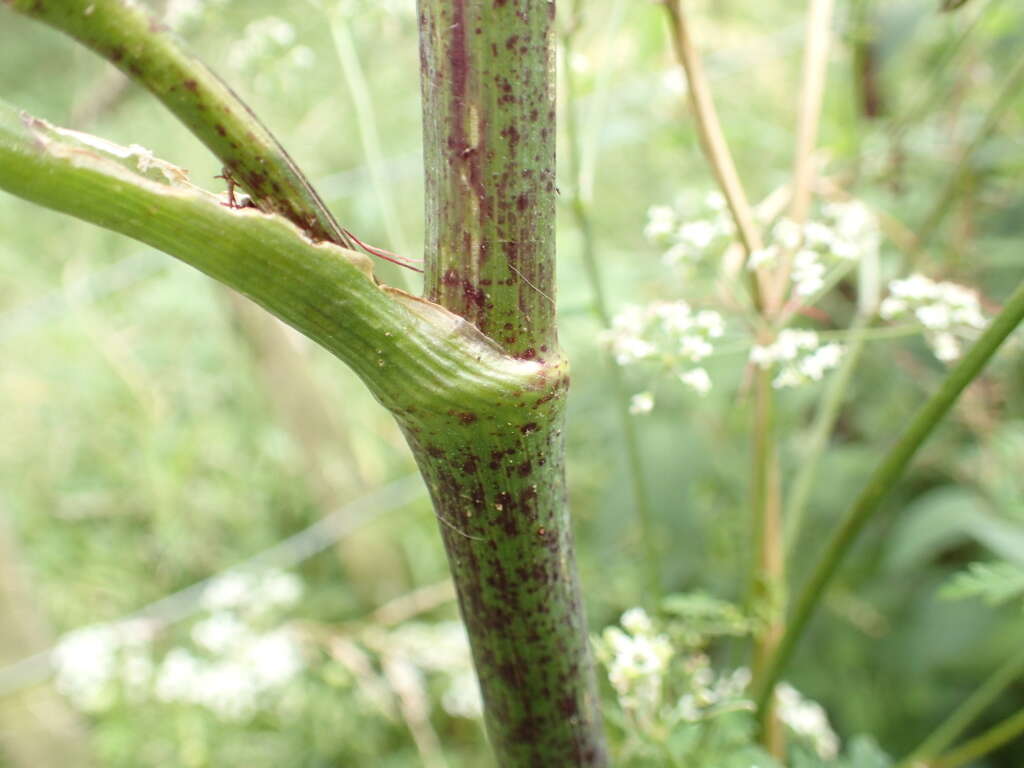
[
  {"x": 812, "y": 92},
  {"x": 712, "y": 138}
]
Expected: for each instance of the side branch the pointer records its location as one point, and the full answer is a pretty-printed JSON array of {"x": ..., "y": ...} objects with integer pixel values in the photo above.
[
  {"x": 141, "y": 48},
  {"x": 416, "y": 357}
]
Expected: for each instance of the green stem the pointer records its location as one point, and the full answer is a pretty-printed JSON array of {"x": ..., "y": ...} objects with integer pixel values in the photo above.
[
  {"x": 967, "y": 712},
  {"x": 988, "y": 742},
  {"x": 885, "y": 477},
  {"x": 489, "y": 159},
  {"x": 499, "y": 485},
  {"x": 824, "y": 422},
  {"x": 485, "y": 428},
  {"x": 139, "y": 46},
  {"x": 768, "y": 568},
  {"x": 414, "y": 356},
  {"x": 592, "y": 268},
  {"x": 713, "y": 141}
]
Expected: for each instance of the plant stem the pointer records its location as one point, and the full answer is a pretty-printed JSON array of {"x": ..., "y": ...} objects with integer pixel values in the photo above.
[
  {"x": 712, "y": 138},
  {"x": 988, "y": 742},
  {"x": 498, "y": 484},
  {"x": 137, "y": 45},
  {"x": 592, "y": 268},
  {"x": 824, "y": 422},
  {"x": 812, "y": 92},
  {"x": 967, "y": 712},
  {"x": 769, "y": 577},
  {"x": 885, "y": 476},
  {"x": 413, "y": 355},
  {"x": 767, "y": 570}
]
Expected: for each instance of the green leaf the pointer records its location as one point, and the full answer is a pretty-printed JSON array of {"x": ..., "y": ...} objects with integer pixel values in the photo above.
[{"x": 995, "y": 583}]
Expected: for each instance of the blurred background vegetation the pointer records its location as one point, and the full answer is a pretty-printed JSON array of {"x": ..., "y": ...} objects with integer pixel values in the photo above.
[{"x": 158, "y": 432}]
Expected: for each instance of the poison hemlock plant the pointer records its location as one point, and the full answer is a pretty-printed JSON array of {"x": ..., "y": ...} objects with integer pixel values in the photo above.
[
  {"x": 472, "y": 372},
  {"x": 473, "y": 375}
]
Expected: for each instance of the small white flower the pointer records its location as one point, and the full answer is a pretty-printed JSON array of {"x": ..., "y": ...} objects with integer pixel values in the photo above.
[
  {"x": 673, "y": 81},
  {"x": 636, "y": 621},
  {"x": 219, "y": 633},
  {"x": 629, "y": 350},
  {"x": 661, "y": 222},
  {"x": 788, "y": 377},
  {"x": 178, "y": 676},
  {"x": 762, "y": 257},
  {"x": 711, "y": 322},
  {"x": 675, "y": 316},
  {"x": 228, "y": 590},
  {"x": 786, "y": 233},
  {"x": 280, "y": 589},
  {"x": 182, "y": 12},
  {"x": 228, "y": 689},
  {"x": 462, "y": 696},
  {"x": 825, "y": 358},
  {"x": 698, "y": 234},
  {"x": 715, "y": 201},
  {"x": 274, "y": 658},
  {"x": 934, "y": 316},
  {"x": 695, "y": 348},
  {"x": 678, "y": 254},
  {"x": 818, "y": 235},
  {"x": 86, "y": 663},
  {"x": 945, "y": 347},
  {"x": 892, "y": 307},
  {"x": 641, "y": 403},
  {"x": 808, "y": 719},
  {"x": 698, "y": 379},
  {"x": 762, "y": 356}
]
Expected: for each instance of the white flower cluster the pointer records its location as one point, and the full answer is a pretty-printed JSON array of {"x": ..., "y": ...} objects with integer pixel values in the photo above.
[
  {"x": 708, "y": 694},
  {"x": 636, "y": 660},
  {"x": 845, "y": 232},
  {"x": 240, "y": 664},
  {"x": 270, "y": 40},
  {"x": 671, "y": 333},
  {"x": 236, "y": 683},
  {"x": 948, "y": 312},
  {"x": 800, "y": 356},
  {"x": 806, "y": 719},
  {"x": 90, "y": 663},
  {"x": 687, "y": 238}
]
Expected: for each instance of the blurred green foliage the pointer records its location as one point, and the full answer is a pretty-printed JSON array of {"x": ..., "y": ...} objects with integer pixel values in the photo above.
[{"x": 142, "y": 453}]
